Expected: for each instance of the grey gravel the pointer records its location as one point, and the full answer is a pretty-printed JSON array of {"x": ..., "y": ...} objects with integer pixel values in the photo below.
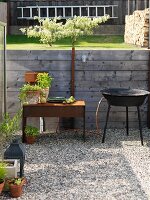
[{"x": 63, "y": 167}]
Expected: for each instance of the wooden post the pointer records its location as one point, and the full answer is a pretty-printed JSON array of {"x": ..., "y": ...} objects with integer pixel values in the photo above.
[
  {"x": 149, "y": 24},
  {"x": 145, "y": 4},
  {"x": 72, "y": 81},
  {"x": 8, "y": 17},
  {"x": 72, "y": 71},
  {"x": 128, "y": 7},
  {"x": 137, "y": 4},
  {"x": 4, "y": 72},
  {"x": 148, "y": 114}
]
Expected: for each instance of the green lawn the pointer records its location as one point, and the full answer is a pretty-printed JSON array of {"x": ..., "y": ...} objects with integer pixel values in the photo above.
[{"x": 21, "y": 42}]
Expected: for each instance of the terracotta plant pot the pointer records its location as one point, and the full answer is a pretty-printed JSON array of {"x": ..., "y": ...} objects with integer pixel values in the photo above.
[
  {"x": 30, "y": 77},
  {"x": 1, "y": 187},
  {"x": 16, "y": 190},
  {"x": 24, "y": 181},
  {"x": 30, "y": 139}
]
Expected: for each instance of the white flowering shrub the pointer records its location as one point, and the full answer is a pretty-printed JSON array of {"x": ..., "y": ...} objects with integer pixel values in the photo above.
[
  {"x": 50, "y": 30},
  {"x": 79, "y": 26}
]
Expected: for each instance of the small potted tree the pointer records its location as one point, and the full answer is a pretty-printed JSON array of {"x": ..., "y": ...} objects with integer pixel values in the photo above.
[
  {"x": 31, "y": 134},
  {"x": 44, "y": 80},
  {"x": 16, "y": 187},
  {"x": 8, "y": 127},
  {"x": 29, "y": 94},
  {"x": 2, "y": 175}
]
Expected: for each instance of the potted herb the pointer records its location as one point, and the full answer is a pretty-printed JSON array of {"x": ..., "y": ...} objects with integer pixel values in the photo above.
[
  {"x": 31, "y": 134},
  {"x": 16, "y": 187},
  {"x": 29, "y": 94},
  {"x": 44, "y": 80},
  {"x": 2, "y": 175}
]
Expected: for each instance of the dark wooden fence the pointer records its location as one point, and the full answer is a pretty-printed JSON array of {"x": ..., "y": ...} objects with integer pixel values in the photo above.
[
  {"x": 121, "y": 12},
  {"x": 103, "y": 69}
]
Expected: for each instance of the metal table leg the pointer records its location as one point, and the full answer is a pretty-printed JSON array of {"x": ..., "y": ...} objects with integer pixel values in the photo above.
[
  {"x": 84, "y": 126},
  {"x": 44, "y": 129},
  {"x": 103, "y": 139},
  {"x": 24, "y": 121},
  {"x": 140, "y": 127},
  {"x": 127, "y": 126}
]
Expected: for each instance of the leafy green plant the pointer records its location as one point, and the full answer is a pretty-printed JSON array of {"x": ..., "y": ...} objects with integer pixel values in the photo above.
[
  {"x": 31, "y": 131},
  {"x": 51, "y": 30},
  {"x": 16, "y": 181},
  {"x": 48, "y": 30},
  {"x": 2, "y": 171},
  {"x": 44, "y": 80},
  {"x": 25, "y": 89},
  {"x": 10, "y": 125},
  {"x": 79, "y": 26}
]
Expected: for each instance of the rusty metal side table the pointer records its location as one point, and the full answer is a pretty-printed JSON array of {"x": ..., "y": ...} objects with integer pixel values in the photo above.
[{"x": 77, "y": 109}]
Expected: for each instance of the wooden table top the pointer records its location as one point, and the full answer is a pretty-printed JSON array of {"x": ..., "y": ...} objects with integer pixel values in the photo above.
[{"x": 76, "y": 103}]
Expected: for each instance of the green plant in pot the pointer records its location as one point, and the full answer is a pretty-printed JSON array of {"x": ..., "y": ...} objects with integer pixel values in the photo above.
[
  {"x": 3, "y": 172},
  {"x": 44, "y": 80},
  {"x": 31, "y": 134},
  {"x": 8, "y": 126},
  {"x": 16, "y": 187},
  {"x": 30, "y": 94}
]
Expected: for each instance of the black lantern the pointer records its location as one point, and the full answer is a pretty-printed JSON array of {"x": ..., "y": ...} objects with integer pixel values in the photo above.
[{"x": 16, "y": 151}]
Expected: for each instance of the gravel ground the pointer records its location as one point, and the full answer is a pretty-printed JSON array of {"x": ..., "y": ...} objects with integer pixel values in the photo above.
[{"x": 63, "y": 167}]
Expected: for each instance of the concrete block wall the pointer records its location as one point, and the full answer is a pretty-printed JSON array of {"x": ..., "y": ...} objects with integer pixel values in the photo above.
[{"x": 102, "y": 69}]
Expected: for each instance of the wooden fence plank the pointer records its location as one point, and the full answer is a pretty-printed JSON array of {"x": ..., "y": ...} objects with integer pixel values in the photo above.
[
  {"x": 3, "y": 12},
  {"x": 103, "y": 69}
]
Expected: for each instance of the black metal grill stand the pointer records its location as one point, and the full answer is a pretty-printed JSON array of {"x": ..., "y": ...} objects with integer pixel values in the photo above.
[{"x": 127, "y": 126}]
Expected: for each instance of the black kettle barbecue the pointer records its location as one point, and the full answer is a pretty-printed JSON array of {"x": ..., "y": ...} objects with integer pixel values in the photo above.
[{"x": 127, "y": 98}]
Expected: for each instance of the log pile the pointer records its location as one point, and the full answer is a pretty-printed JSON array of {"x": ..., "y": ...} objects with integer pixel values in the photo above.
[{"x": 137, "y": 28}]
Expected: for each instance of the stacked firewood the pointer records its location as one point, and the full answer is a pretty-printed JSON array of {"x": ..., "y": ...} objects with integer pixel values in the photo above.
[{"x": 137, "y": 28}]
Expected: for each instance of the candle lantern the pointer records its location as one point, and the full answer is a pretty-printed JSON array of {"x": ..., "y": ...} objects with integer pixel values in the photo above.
[{"x": 16, "y": 150}]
